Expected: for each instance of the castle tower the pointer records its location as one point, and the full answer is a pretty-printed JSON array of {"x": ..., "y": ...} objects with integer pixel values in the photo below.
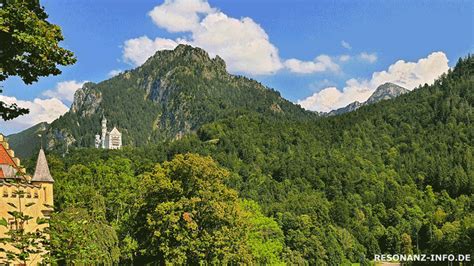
[
  {"x": 36, "y": 200},
  {"x": 43, "y": 178},
  {"x": 104, "y": 131},
  {"x": 97, "y": 141}
]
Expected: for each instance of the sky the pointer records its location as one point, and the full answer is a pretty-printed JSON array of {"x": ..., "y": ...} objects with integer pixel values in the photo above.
[{"x": 322, "y": 55}]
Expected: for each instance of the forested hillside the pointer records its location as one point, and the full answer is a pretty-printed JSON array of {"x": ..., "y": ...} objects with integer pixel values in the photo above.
[
  {"x": 172, "y": 94},
  {"x": 27, "y": 142},
  {"x": 392, "y": 177}
]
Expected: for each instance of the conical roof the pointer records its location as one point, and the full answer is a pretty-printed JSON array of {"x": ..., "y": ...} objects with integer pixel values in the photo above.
[{"x": 42, "y": 173}]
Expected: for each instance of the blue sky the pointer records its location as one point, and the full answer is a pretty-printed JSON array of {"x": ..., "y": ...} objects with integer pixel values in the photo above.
[{"x": 320, "y": 54}]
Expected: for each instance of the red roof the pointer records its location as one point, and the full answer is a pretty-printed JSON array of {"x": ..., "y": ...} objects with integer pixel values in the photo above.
[{"x": 5, "y": 158}]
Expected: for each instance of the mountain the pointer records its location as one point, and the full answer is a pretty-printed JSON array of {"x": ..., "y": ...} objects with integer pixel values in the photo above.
[
  {"x": 349, "y": 108},
  {"x": 389, "y": 178},
  {"x": 27, "y": 142},
  {"x": 171, "y": 94},
  {"x": 363, "y": 183},
  {"x": 385, "y": 91}
]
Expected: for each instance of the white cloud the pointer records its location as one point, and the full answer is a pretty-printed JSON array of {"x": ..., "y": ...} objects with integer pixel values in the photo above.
[
  {"x": 371, "y": 58},
  {"x": 346, "y": 45},
  {"x": 114, "y": 72},
  {"x": 64, "y": 90},
  {"x": 406, "y": 74},
  {"x": 137, "y": 51},
  {"x": 324, "y": 100},
  {"x": 241, "y": 42},
  {"x": 344, "y": 58},
  {"x": 319, "y": 64},
  {"x": 41, "y": 110},
  {"x": 180, "y": 15}
]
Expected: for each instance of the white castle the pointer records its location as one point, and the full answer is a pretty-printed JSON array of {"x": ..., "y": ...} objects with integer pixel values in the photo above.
[{"x": 108, "y": 140}]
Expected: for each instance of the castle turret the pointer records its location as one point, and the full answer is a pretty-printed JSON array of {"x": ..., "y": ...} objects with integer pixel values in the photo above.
[
  {"x": 43, "y": 178},
  {"x": 35, "y": 200},
  {"x": 108, "y": 140},
  {"x": 104, "y": 132},
  {"x": 97, "y": 141}
]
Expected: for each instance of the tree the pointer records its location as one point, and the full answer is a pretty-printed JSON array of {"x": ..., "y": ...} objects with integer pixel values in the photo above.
[
  {"x": 335, "y": 185},
  {"x": 407, "y": 247},
  {"x": 190, "y": 215},
  {"x": 266, "y": 238},
  {"x": 81, "y": 236},
  {"x": 29, "y": 47}
]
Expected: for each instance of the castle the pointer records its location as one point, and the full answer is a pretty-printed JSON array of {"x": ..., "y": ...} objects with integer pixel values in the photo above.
[
  {"x": 20, "y": 192},
  {"x": 108, "y": 140}
]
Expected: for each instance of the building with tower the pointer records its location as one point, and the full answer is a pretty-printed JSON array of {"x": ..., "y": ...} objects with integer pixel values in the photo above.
[
  {"x": 32, "y": 195},
  {"x": 108, "y": 140}
]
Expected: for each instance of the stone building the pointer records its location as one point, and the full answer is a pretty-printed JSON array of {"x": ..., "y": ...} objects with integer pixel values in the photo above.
[
  {"x": 108, "y": 140},
  {"x": 33, "y": 195}
]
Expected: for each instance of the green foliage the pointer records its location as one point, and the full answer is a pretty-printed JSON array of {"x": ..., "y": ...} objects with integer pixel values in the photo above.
[
  {"x": 10, "y": 111},
  {"x": 29, "y": 42},
  {"x": 79, "y": 236},
  {"x": 94, "y": 201},
  {"x": 27, "y": 143},
  {"x": 180, "y": 211},
  {"x": 173, "y": 93},
  {"x": 28, "y": 47},
  {"x": 392, "y": 177},
  {"x": 386, "y": 177},
  {"x": 265, "y": 238},
  {"x": 191, "y": 216}
]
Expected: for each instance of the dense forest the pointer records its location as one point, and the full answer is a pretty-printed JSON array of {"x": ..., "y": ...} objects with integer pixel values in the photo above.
[
  {"x": 173, "y": 93},
  {"x": 260, "y": 187}
]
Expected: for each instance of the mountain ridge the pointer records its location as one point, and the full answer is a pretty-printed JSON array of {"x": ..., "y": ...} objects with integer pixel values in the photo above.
[
  {"x": 27, "y": 142},
  {"x": 385, "y": 91},
  {"x": 171, "y": 94},
  {"x": 342, "y": 188}
]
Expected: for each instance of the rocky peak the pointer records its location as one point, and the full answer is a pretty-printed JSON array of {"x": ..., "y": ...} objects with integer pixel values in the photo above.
[
  {"x": 186, "y": 55},
  {"x": 165, "y": 67},
  {"x": 86, "y": 100},
  {"x": 386, "y": 91},
  {"x": 349, "y": 108}
]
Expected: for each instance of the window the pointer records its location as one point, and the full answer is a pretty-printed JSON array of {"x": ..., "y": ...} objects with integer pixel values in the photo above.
[{"x": 115, "y": 141}]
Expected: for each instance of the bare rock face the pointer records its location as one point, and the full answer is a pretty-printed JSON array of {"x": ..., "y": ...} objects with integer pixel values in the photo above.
[
  {"x": 349, "y": 108},
  {"x": 86, "y": 100},
  {"x": 276, "y": 108},
  {"x": 59, "y": 137},
  {"x": 385, "y": 91}
]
